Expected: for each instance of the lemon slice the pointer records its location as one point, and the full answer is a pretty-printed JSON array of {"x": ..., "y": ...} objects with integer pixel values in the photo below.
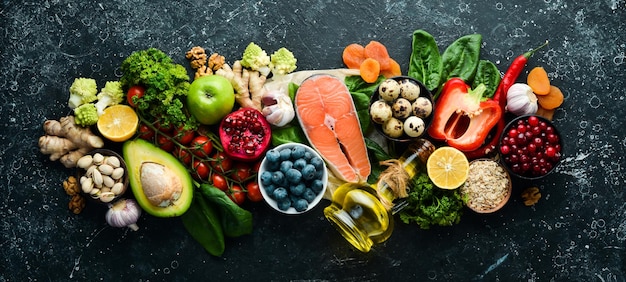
[
  {"x": 447, "y": 167},
  {"x": 118, "y": 123}
]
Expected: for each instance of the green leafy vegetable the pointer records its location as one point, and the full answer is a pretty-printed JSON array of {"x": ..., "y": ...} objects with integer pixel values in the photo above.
[
  {"x": 461, "y": 58},
  {"x": 488, "y": 74},
  {"x": 377, "y": 154},
  {"x": 430, "y": 206},
  {"x": 166, "y": 85},
  {"x": 202, "y": 222},
  {"x": 425, "y": 64},
  {"x": 361, "y": 92},
  {"x": 235, "y": 220}
]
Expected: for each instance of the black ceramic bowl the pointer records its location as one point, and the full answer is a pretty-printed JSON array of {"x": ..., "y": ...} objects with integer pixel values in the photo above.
[
  {"x": 530, "y": 147},
  {"x": 424, "y": 92}
]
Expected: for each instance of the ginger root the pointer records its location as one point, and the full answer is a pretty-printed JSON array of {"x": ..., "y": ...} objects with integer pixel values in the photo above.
[
  {"x": 67, "y": 142},
  {"x": 248, "y": 84}
]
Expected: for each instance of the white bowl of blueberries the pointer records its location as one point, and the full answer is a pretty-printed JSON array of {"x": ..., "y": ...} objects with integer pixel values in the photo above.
[{"x": 292, "y": 178}]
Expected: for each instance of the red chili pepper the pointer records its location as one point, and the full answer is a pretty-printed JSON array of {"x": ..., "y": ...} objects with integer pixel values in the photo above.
[{"x": 509, "y": 78}]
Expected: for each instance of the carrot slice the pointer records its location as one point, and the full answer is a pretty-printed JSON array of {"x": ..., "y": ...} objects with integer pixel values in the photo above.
[
  {"x": 370, "y": 70},
  {"x": 393, "y": 70},
  {"x": 548, "y": 114},
  {"x": 552, "y": 100},
  {"x": 539, "y": 81},
  {"x": 353, "y": 55},
  {"x": 378, "y": 52}
]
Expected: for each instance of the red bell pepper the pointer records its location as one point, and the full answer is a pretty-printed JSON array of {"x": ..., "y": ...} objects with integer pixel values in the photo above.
[{"x": 462, "y": 117}]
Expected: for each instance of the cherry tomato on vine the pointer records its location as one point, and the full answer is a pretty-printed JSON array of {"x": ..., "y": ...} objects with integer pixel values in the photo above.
[
  {"x": 201, "y": 146},
  {"x": 241, "y": 171},
  {"x": 165, "y": 143},
  {"x": 253, "y": 191},
  {"x": 145, "y": 132},
  {"x": 183, "y": 136},
  {"x": 221, "y": 162},
  {"x": 219, "y": 181},
  {"x": 201, "y": 170},
  {"x": 167, "y": 129},
  {"x": 183, "y": 155},
  {"x": 237, "y": 194},
  {"x": 134, "y": 91}
]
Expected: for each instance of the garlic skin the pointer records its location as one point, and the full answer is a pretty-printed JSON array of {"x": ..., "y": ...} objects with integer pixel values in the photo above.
[
  {"x": 520, "y": 100},
  {"x": 124, "y": 213},
  {"x": 277, "y": 108}
]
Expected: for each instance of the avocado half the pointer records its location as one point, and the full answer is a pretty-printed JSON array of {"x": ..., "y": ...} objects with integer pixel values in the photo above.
[{"x": 144, "y": 157}]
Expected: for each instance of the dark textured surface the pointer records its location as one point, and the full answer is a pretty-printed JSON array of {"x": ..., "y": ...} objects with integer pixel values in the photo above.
[{"x": 576, "y": 232}]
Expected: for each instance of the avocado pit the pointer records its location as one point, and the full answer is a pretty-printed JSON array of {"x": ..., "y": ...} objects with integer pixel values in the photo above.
[{"x": 161, "y": 186}]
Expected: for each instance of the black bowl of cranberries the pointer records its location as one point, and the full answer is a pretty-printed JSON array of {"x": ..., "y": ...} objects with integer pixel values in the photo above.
[{"x": 530, "y": 147}]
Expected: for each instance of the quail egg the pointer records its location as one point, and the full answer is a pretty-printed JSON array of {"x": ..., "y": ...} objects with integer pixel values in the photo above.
[
  {"x": 422, "y": 107},
  {"x": 402, "y": 108},
  {"x": 389, "y": 90},
  {"x": 414, "y": 126},
  {"x": 380, "y": 111},
  {"x": 393, "y": 128},
  {"x": 409, "y": 90}
]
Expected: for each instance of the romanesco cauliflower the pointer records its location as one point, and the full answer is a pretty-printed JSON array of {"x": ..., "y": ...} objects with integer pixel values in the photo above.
[
  {"x": 111, "y": 94},
  {"x": 83, "y": 90},
  {"x": 86, "y": 115},
  {"x": 255, "y": 58},
  {"x": 282, "y": 62}
]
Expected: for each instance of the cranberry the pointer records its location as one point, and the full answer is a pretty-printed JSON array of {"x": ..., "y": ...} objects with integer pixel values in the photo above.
[
  {"x": 550, "y": 152},
  {"x": 505, "y": 150},
  {"x": 533, "y": 121},
  {"x": 513, "y": 133},
  {"x": 521, "y": 128}
]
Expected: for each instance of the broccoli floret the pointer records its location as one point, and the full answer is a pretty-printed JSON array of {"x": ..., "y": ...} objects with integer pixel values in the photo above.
[
  {"x": 82, "y": 91},
  {"x": 255, "y": 58},
  {"x": 282, "y": 62},
  {"x": 86, "y": 115},
  {"x": 111, "y": 94}
]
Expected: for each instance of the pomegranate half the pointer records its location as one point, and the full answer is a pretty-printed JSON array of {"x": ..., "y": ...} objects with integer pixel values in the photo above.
[{"x": 245, "y": 134}]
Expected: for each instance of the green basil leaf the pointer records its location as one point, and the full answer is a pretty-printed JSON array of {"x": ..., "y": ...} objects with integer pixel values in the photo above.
[
  {"x": 425, "y": 64},
  {"x": 461, "y": 58},
  {"x": 488, "y": 74}
]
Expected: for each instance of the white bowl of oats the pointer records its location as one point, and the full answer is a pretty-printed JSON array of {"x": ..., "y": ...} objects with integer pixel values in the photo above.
[{"x": 488, "y": 186}]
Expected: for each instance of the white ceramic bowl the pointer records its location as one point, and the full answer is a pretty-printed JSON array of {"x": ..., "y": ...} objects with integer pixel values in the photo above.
[{"x": 271, "y": 201}]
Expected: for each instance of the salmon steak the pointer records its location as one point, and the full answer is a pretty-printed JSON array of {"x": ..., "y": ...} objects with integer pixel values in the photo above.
[{"x": 328, "y": 117}]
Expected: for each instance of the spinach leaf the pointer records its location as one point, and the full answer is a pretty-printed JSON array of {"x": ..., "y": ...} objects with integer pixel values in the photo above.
[
  {"x": 289, "y": 133},
  {"x": 488, "y": 74},
  {"x": 461, "y": 58},
  {"x": 203, "y": 224},
  {"x": 376, "y": 154},
  {"x": 425, "y": 64},
  {"x": 361, "y": 93},
  {"x": 235, "y": 220}
]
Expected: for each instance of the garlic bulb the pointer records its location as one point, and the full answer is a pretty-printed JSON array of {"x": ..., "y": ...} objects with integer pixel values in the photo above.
[
  {"x": 278, "y": 108},
  {"x": 520, "y": 100},
  {"x": 123, "y": 213}
]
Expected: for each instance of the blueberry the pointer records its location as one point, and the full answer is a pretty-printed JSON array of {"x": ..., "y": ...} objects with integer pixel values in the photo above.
[
  {"x": 317, "y": 162},
  {"x": 293, "y": 175},
  {"x": 298, "y": 152},
  {"x": 309, "y": 172},
  {"x": 266, "y": 178},
  {"x": 285, "y": 166},
  {"x": 272, "y": 156},
  {"x": 285, "y": 154},
  {"x": 280, "y": 194},
  {"x": 308, "y": 155},
  {"x": 301, "y": 205},
  {"x": 269, "y": 189},
  {"x": 278, "y": 177},
  {"x": 317, "y": 185},
  {"x": 309, "y": 195},
  {"x": 284, "y": 204},
  {"x": 297, "y": 190},
  {"x": 299, "y": 164}
]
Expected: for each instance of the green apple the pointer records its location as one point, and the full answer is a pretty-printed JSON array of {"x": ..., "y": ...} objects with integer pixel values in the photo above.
[{"x": 210, "y": 98}]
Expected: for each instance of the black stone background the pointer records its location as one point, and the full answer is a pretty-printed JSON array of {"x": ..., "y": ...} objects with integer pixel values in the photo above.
[{"x": 576, "y": 232}]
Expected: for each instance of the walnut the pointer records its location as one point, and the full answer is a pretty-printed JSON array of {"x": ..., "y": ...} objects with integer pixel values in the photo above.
[
  {"x": 70, "y": 185},
  {"x": 531, "y": 196},
  {"x": 202, "y": 71},
  {"x": 216, "y": 61},
  {"x": 77, "y": 204},
  {"x": 197, "y": 57}
]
